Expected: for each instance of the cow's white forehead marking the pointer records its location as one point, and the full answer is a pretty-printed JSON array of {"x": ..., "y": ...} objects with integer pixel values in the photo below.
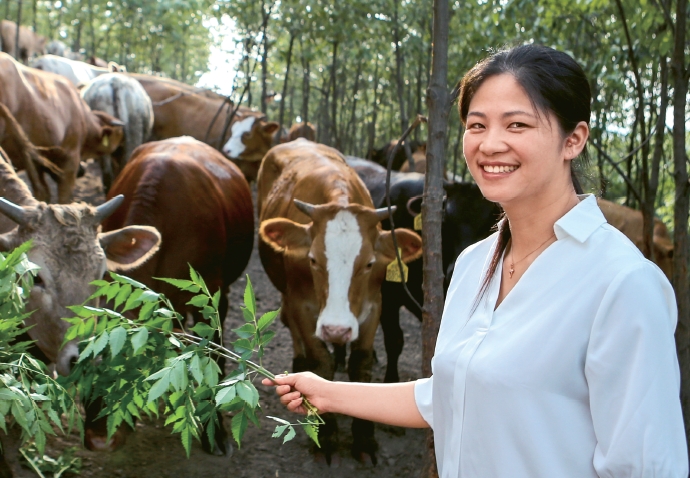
[
  {"x": 217, "y": 170},
  {"x": 234, "y": 147},
  {"x": 343, "y": 242}
]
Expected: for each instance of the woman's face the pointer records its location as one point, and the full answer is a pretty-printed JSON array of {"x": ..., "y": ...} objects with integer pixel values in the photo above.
[{"x": 513, "y": 153}]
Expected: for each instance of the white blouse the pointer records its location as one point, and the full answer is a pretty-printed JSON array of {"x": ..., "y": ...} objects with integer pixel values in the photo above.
[{"x": 574, "y": 374}]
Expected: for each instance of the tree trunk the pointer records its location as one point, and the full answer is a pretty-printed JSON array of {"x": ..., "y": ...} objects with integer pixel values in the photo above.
[
  {"x": 35, "y": 18},
  {"x": 350, "y": 130},
  {"x": 92, "y": 30},
  {"x": 374, "y": 113},
  {"x": 680, "y": 210},
  {"x": 264, "y": 57},
  {"x": 285, "y": 84},
  {"x": 334, "y": 102},
  {"x": 305, "y": 85},
  {"x": 16, "y": 38},
  {"x": 650, "y": 177},
  {"x": 400, "y": 83},
  {"x": 438, "y": 100}
]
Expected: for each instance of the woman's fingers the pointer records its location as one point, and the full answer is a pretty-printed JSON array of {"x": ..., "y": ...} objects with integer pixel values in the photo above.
[{"x": 286, "y": 398}]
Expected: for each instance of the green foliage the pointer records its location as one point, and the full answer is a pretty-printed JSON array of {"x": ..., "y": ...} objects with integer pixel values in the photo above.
[
  {"x": 145, "y": 360},
  {"x": 45, "y": 465},
  {"x": 29, "y": 397}
]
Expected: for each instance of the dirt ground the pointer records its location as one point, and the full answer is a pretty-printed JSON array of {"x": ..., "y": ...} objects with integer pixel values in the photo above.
[{"x": 152, "y": 451}]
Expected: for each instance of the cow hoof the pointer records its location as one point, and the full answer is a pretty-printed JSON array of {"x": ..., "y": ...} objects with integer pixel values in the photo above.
[
  {"x": 331, "y": 460},
  {"x": 222, "y": 447},
  {"x": 365, "y": 450}
]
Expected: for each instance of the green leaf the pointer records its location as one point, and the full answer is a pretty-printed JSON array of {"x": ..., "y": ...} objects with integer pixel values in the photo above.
[
  {"x": 7, "y": 394},
  {"x": 266, "y": 338},
  {"x": 133, "y": 300},
  {"x": 101, "y": 342},
  {"x": 215, "y": 301},
  {"x": 211, "y": 373},
  {"x": 225, "y": 395},
  {"x": 195, "y": 369},
  {"x": 147, "y": 309},
  {"x": 186, "y": 436},
  {"x": 117, "y": 340},
  {"x": 279, "y": 430},
  {"x": 239, "y": 426},
  {"x": 159, "y": 388},
  {"x": 199, "y": 300},
  {"x": 203, "y": 330},
  {"x": 247, "y": 331},
  {"x": 87, "y": 351},
  {"x": 312, "y": 432},
  {"x": 267, "y": 319},
  {"x": 246, "y": 313},
  {"x": 158, "y": 374},
  {"x": 248, "y": 393},
  {"x": 178, "y": 375},
  {"x": 182, "y": 284},
  {"x": 249, "y": 299},
  {"x": 139, "y": 339},
  {"x": 122, "y": 295},
  {"x": 127, "y": 280},
  {"x": 289, "y": 435}
]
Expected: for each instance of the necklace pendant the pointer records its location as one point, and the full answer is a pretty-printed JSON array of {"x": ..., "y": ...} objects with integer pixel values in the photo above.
[{"x": 511, "y": 271}]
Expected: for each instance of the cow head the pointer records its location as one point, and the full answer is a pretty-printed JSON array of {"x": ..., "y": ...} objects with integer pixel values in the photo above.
[
  {"x": 71, "y": 252},
  {"x": 110, "y": 135},
  {"x": 347, "y": 254},
  {"x": 251, "y": 136}
]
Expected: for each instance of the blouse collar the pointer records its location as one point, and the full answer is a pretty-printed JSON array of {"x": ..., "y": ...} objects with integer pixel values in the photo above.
[{"x": 581, "y": 221}]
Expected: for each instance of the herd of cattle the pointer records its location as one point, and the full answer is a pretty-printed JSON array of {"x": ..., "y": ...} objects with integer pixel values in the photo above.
[{"x": 177, "y": 162}]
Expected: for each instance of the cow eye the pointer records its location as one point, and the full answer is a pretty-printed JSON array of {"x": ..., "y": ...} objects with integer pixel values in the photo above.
[
  {"x": 312, "y": 260},
  {"x": 371, "y": 263},
  {"x": 245, "y": 136},
  {"x": 38, "y": 281}
]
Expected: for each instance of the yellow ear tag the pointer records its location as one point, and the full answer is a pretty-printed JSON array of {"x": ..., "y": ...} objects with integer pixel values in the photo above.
[
  {"x": 393, "y": 271},
  {"x": 106, "y": 141},
  {"x": 418, "y": 222}
]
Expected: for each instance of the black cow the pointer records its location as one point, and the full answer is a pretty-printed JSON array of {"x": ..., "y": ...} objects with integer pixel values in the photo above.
[
  {"x": 380, "y": 156},
  {"x": 467, "y": 218}
]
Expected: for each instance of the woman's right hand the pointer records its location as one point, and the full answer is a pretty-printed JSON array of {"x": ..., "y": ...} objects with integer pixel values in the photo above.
[{"x": 291, "y": 389}]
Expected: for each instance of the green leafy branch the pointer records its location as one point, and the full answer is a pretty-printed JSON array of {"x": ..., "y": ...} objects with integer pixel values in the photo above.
[
  {"x": 29, "y": 396},
  {"x": 144, "y": 360}
]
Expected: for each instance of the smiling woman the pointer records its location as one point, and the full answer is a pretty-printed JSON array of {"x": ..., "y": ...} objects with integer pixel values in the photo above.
[{"x": 555, "y": 355}]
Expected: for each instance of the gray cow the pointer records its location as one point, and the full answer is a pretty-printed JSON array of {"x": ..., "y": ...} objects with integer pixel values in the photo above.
[
  {"x": 125, "y": 99},
  {"x": 71, "y": 252}
]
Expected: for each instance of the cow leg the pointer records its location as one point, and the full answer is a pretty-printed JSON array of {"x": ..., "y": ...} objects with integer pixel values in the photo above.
[
  {"x": 393, "y": 337},
  {"x": 364, "y": 445},
  {"x": 66, "y": 184},
  {"x": 96, "y": 429},
  {"x": 9, "y": 454},
  {"x": 222, "y": 445}
]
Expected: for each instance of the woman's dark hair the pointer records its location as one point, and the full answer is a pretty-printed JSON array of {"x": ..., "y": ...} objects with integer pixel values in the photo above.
[{"x": 554, "y": 83}]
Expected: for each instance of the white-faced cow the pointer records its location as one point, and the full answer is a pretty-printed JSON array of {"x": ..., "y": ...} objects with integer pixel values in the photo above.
[
  {"x": 183, "y": 110},
  {"x": 322, "y": 246},
  {"x": 72, "y": 252},
  {"x": 125, "y": 99},
  {"x": 52, "y": 114}
]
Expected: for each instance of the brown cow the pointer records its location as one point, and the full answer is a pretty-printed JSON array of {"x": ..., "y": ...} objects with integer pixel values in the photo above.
[
  {"x": 629, "y": 222},
  {"x": 72, "y": 252},
  {"x": 183, "y": 110},
  {"x": 201, "y": 204},
  {"x": 320, "y": 230},
  {"x": 419, "y": 157},
  {"x": 30, "y": 44},
  {"x": 51, "y": 112},
  {"x": 302, "y": 130}
]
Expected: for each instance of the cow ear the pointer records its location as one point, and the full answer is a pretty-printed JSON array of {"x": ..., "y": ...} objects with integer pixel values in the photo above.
[
  {"x": 282, "y": 234},
  {"x": 409, "y": 242},
  {"x": 271, "y": 127},
  {"x": 128, "y": 248}
]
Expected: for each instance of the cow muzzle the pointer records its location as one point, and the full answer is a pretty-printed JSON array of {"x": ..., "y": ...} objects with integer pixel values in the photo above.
[{"x": 336, "y": 334}]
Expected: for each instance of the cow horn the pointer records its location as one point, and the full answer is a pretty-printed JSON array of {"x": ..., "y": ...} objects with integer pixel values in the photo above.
[
  {"x": 107, "y": 208},
  {"x": 305, "y": 207},
  {"x": 14, "y": 212},
  {"x": 382, "y": 213}
]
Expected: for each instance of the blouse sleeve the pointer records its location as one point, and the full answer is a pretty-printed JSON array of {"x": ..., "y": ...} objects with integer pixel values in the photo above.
[
  {"x": 634, "y": 380},
  {"x": 423, "y": 389}
]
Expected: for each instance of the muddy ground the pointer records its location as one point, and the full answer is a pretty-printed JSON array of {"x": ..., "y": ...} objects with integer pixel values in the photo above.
[{"x": 154, "y": 452}]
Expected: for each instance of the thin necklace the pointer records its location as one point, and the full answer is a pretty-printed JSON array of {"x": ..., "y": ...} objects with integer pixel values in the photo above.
[{"x": 512, "y": 264}]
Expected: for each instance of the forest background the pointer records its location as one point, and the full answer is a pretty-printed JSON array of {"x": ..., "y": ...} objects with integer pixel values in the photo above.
[{"x": 359, "y": 69}]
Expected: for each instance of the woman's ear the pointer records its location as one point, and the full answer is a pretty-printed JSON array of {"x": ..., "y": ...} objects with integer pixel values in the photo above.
[{"x": 575, "y": 142}]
